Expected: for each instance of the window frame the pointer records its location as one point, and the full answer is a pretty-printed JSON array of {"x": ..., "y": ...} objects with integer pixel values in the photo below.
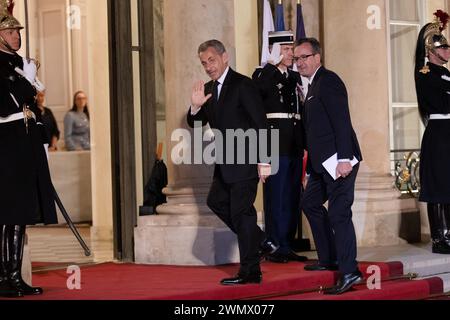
[{"x": 422, "y": 9}]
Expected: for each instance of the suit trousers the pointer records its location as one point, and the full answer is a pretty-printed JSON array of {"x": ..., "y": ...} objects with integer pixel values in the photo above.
[
  {"x": 233, "y": 204},
  {"x": 282, "y": 203},
  {"x": 332, "y": 228}
]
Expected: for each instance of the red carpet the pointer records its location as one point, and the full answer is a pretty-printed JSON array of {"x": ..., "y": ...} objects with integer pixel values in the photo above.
[
  {"x": 281, "y": 281},
  {"x": 390, "y": 290}
]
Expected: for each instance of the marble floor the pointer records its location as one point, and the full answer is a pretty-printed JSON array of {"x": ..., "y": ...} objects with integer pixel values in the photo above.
[{"x": 57, "y": 244}]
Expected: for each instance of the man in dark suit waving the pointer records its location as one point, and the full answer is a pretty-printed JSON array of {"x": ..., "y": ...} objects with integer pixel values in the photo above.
[
  {"x": 329, "y": 133},
  {"x": 231, "y": 102}
]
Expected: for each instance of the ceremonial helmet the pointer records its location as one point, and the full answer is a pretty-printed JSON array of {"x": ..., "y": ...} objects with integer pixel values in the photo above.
[
  {"x": 7, "y": 20},
  {"x": 281, "y": 37},
  {"x": 433, "y": 36}
]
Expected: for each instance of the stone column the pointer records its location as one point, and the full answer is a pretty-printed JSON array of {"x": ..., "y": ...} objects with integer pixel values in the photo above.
[
  {"x": 360, "y": 57},
  {"x": 101, "y": 171},
  {"x": 197, "y": 21},
  {"x": 185, "y": 231}
]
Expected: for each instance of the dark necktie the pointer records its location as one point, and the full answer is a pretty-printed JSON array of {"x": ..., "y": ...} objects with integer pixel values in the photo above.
[{"x": 216, "y": 91}]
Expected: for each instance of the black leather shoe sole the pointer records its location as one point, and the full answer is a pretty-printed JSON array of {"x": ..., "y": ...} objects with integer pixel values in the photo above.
[
  {"x": 321, "y": 267},
  {"x": 441, "y": 248},
  {"x": 12, "y": 294},
  {"x": 294, "y": 257},
  {"x": 277, "y": 258},
  {"x": 241, "y": 281},
  {"x": 33, "y": 292}
]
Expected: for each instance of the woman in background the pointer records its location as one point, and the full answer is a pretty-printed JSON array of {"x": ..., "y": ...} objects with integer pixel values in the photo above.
[
  {"x": 49, "y": 122},
  {"x": 76, "y": 124}
]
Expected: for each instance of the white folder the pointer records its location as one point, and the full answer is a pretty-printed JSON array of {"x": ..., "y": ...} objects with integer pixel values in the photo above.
[{"x": 331, "y": 164}]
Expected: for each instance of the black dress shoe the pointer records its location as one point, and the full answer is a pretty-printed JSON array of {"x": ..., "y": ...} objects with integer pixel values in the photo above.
[
  {"x": 321, "y": 267},
  {"x": 251, "y": 278},
  {"x": 292, "y": 256},
  {"x": 18, "y": 284},
  {"x": 441, "y": 246},
  {"x": 267, "y": 247},
  {"x": 7, "y": 291},
  {"x": 345, "y": 283},
  {"x": 277, "y": 258}
]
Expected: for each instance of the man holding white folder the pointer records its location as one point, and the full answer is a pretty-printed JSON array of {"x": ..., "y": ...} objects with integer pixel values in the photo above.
[{"x": 333, "y": 164}]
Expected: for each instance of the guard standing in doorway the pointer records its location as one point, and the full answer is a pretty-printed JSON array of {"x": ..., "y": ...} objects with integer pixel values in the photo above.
[{"x": 26, "y": 191}]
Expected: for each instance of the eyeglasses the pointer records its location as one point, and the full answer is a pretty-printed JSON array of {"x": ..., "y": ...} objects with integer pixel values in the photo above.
[{"x": 304, "y": 57}]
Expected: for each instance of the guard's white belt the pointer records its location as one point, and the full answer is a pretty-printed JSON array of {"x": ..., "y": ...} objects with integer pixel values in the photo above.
[
  {"x": 15, "y": 117},
  {"x": 296, "y": 116},
  {"x": 439, "y": 116}
]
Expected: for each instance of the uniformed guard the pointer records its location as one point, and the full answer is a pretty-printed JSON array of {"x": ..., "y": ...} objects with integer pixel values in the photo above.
[
  {"x": 433, "y": 94},
  {"x": 26, "y": 192},
  {"x": 282, "y": 102}
]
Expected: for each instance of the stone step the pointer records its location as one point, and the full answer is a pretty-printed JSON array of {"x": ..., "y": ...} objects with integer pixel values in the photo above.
[
  {"x": 378, "y": 194},
  {"x": 427, "y": 264},
  {"x": 376, "y": 186},
  {"x": 416, "y": 258},
  {"x": 445, "y": 278},
  {"x": 374, "y": 179},
  {"x": 385, "y": 205}
]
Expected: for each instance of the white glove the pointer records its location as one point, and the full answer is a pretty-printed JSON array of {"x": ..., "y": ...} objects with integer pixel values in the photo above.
[
  {"x": 275, "y": 56},
  {"x": 30, "y": 70}
]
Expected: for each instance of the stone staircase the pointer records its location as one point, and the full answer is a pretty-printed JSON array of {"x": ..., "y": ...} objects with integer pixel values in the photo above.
[{"x": 416, "y": 258}]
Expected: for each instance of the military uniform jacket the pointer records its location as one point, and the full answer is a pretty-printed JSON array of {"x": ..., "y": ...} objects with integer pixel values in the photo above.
[
  {"x": 433, "y": 93},
  {"x": 280, "y": 95},
  {"x": 26, "y": 194}
]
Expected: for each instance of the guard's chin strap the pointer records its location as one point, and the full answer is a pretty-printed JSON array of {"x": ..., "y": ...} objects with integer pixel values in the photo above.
[
  {"x": 444, "y": 61},
  {"x": 6, "y": 44}
]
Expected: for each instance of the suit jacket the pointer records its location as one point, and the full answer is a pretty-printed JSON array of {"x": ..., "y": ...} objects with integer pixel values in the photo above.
[
  {"x": 328, "y": 126},
  {"x": 279, "y": 95},
  {"x": 239, "y": 108}
]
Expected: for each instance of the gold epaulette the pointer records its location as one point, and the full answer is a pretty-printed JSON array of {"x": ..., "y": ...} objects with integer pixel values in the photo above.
[{"x": 425, "y": 70}]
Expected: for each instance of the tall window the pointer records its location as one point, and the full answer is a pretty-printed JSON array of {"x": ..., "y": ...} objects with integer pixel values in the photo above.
[{"x": 406, "y": 20}]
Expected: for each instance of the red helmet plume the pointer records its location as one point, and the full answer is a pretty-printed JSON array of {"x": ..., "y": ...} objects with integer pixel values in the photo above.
[{"x": 443, "y": 19}]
